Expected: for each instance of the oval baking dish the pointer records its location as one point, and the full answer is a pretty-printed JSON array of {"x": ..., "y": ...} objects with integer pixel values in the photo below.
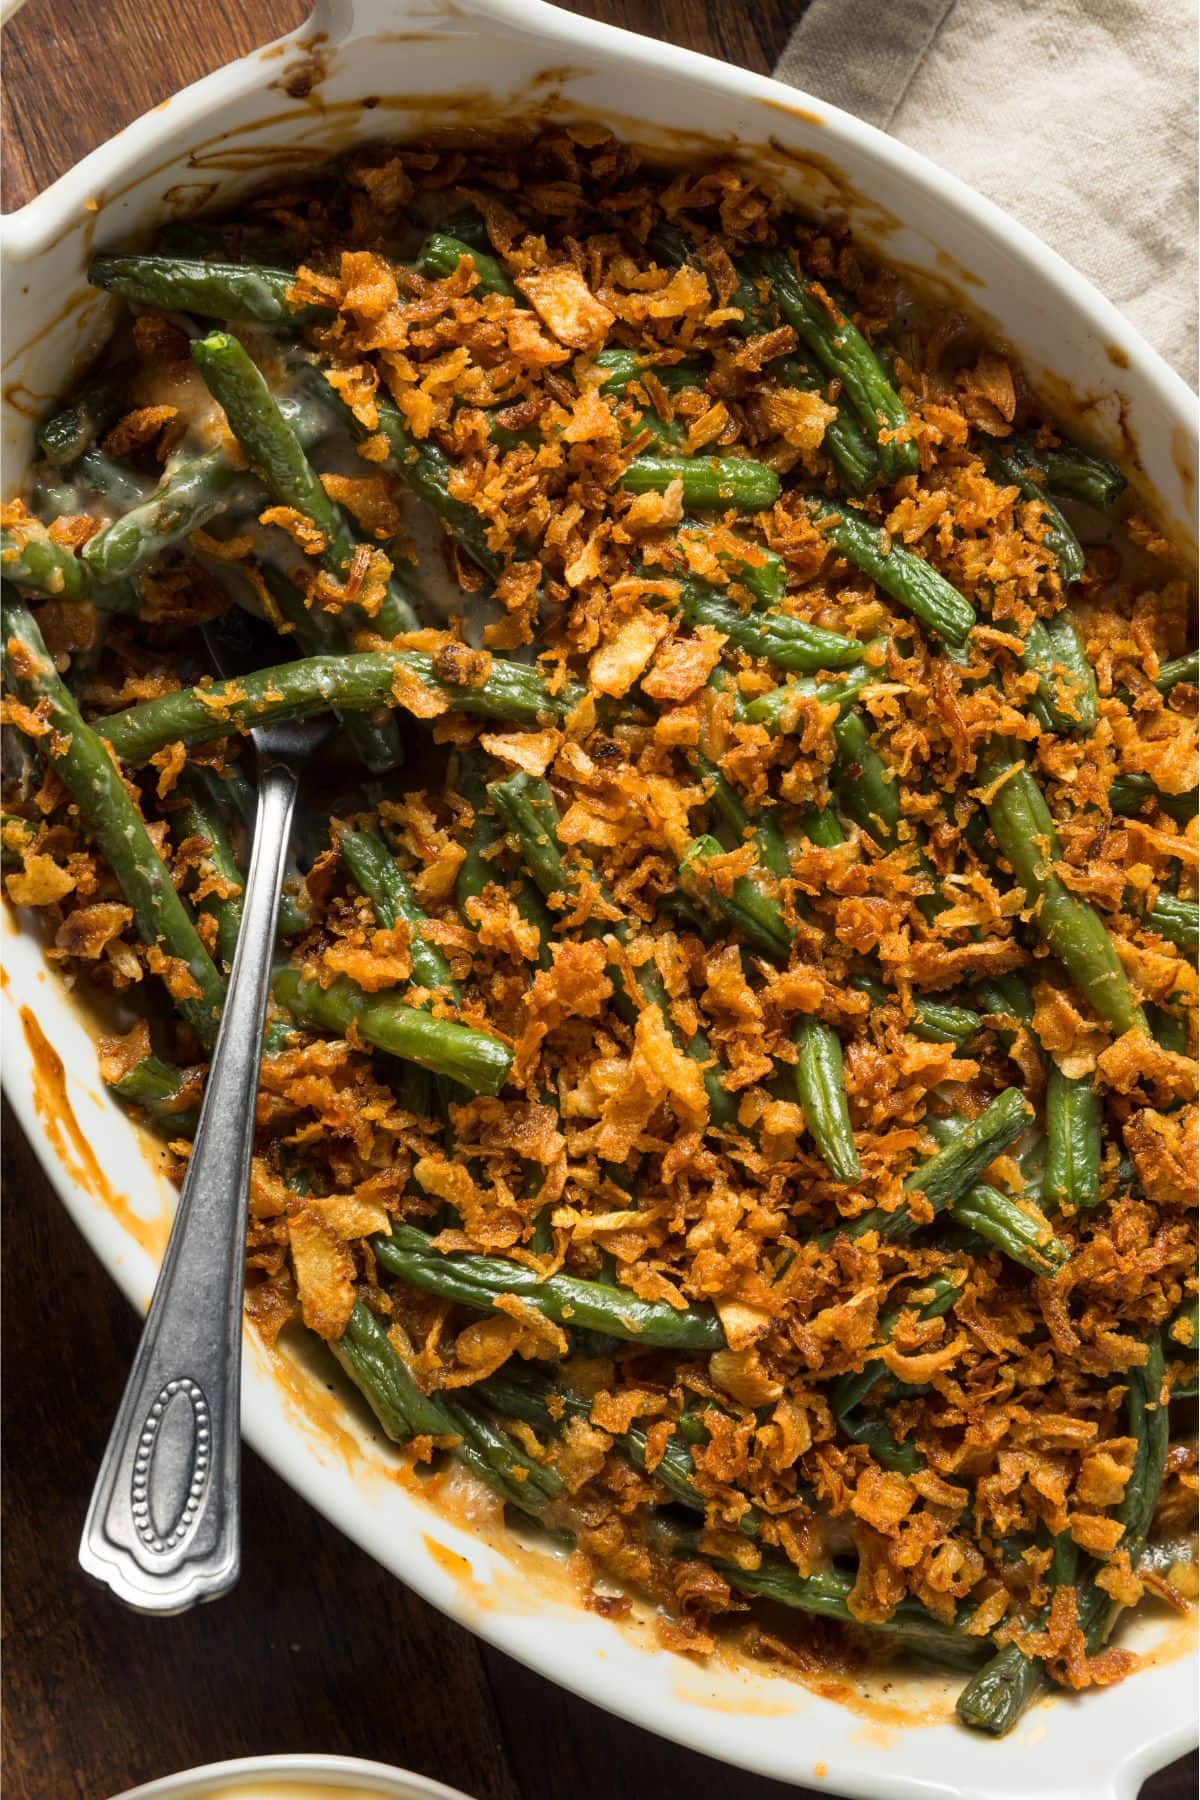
[{"x": 365, "y": 69}]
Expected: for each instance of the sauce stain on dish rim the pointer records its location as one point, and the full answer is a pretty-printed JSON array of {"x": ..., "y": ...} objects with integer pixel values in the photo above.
[{"x": 71, "y": 1146}]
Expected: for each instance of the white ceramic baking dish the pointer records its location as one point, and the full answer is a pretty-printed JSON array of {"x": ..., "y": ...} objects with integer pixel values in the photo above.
[{"x": 394, "y": 68}]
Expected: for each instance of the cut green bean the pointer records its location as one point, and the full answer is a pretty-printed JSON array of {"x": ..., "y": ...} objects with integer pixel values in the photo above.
[
  {"x": 845, "y": 355},
  {"x": 527, "y": 808},
  {"x": 366, "y": 1353},
  {"x": 1071, "y": 473},
  {"x": 1180, "y": 670},
  {"x": 1019, "y": 1231},
  {"x": 706, "y": 480},
  {"x": 1006, "y": 463},
  {"x": 276, "y": 455},
  {"x": 314, "y": 684},
  {"x": 847, "y": 445},
  {"x": 168, "y": 1096},
  {"x": 821, "y": 1090},
  {"x": 746, "y": 908},
  {"x": 1074, "y": 1125},
  {"x": 1129, "y": 793},
  {"x": 82, "y": 762},
  {"x": 625, "y": 368},
  {"x": 240, "y": 292},
  {"x": 910, "y": 1628},
  {"x": 780, "y": 709},
  {"x": 381, "y": 878},
  {"x": 955, "y": 1168},
  {"x": 52, "y": 570},
  {"x": 907, "y": 578},
  {"x": 191, "y": 494},
  {"x": 1065, "y": 699},
  {"x": 477, "y": 1060},
  {"x": 1176, "y": 920},
  {"x": 196, "y": 819},
  {"x": 934, "y": 1020},
  {"x": 1075, "y": 933},
  {"x": 786, "y": 642},
  {"x": 65, "y": 436},
  {"x": 440, "y": 255},
  {"x": 614, "y": 1312}
]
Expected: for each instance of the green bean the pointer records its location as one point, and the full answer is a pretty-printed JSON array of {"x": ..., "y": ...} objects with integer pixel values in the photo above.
[
  {"x": 821, "y": 826},
  {"x": 934, "y": 1020},
  {"x": 169, "y": 1096},
  {"x": 625, "y": 368},
  {"x": 948, "y": 1174},
  {"x": 1075, "y": 933},
  {"x": 196, "y": 818},
  {"x": 769, "y": 841},
  {"x": 375, "y": 738},
  {"x": 844, "y": 355},
  {"x": 440, "y": 255},
  {"x": 614, "y": 1312},
  {"x": 1176, "y": 920},
  {"x": 998, "y": 1694},
  {"x": 191, "y": 494},
  {"x": 478, "y": 870},
  {"x": 779, "y": 709},
  {"x": 1006, "y": 463},
  {"x": 365, "y": 1352},
  {"x": 867, "y": 790},
  {"x": 428, "y": 472},
  {"x": 1074, "y": 1126},
  {"x": 821, "y": 1090},
  {"x": 1185, "y": 669},
  {"x": 65, "y": 436},
  {"x": 82, "y": 762},
  {"x": 909, "y": 580},
  {"x": 240, "y": 292},
  {"x": 527, "y": 808},
  {"x": 1054, "y": 653},
  {"x": 380, "y": 877},
  {"x": 910, "y": 1628},
  {"x": 753, "y": 914},
  {"x": 851, "y": 1390},
  {"x": 995, "y": 1699},
  {"x": 276, "y": 455},
  {"x": 706, "y": 480},
  {"x": 527, "y": 1397},
  {"x": 477, "y": 1060},
  {"x": 1129, "y": 793},
  {"x": 786, "y": 642},
  {"x": 53, "y": 570},
  {"x": 1018, "y": 1231},
  {"x": 847, "y": 445},
  {"x": 297, "y": 690},
  {"x": 1071, "y": 473}
]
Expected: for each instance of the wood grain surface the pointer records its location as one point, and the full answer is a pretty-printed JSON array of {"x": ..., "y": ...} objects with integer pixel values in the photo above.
[{"x": 317, "y": 1649}]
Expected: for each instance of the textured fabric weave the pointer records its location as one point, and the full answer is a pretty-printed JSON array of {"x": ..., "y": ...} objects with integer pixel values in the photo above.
[{"x": 1077, "y": 116}]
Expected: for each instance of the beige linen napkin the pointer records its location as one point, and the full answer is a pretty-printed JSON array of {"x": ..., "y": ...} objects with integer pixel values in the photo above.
[{"x": 1077, "y": 116}]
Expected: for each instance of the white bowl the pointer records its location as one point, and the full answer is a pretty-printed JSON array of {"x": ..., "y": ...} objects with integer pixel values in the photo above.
[
  {"x": 451, "y": 64},
  {"x": 293, "y": 1778}
]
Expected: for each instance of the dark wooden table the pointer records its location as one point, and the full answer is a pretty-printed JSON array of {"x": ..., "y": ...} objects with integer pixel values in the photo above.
[{"x": 317, "y": 1649}]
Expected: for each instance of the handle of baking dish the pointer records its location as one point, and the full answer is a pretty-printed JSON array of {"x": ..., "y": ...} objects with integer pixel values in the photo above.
[{"x": 341, "y": 20}]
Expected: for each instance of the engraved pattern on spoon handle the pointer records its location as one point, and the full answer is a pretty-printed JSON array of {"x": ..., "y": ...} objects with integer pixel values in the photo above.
[{"x": 162, "y": 1529}]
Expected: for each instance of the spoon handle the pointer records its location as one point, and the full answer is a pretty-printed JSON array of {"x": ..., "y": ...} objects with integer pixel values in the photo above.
[{"x": 163, "y": 1527}]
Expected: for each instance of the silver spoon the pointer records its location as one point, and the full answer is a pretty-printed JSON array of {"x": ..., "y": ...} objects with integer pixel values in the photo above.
[{"x": 163, "y": 1527}]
